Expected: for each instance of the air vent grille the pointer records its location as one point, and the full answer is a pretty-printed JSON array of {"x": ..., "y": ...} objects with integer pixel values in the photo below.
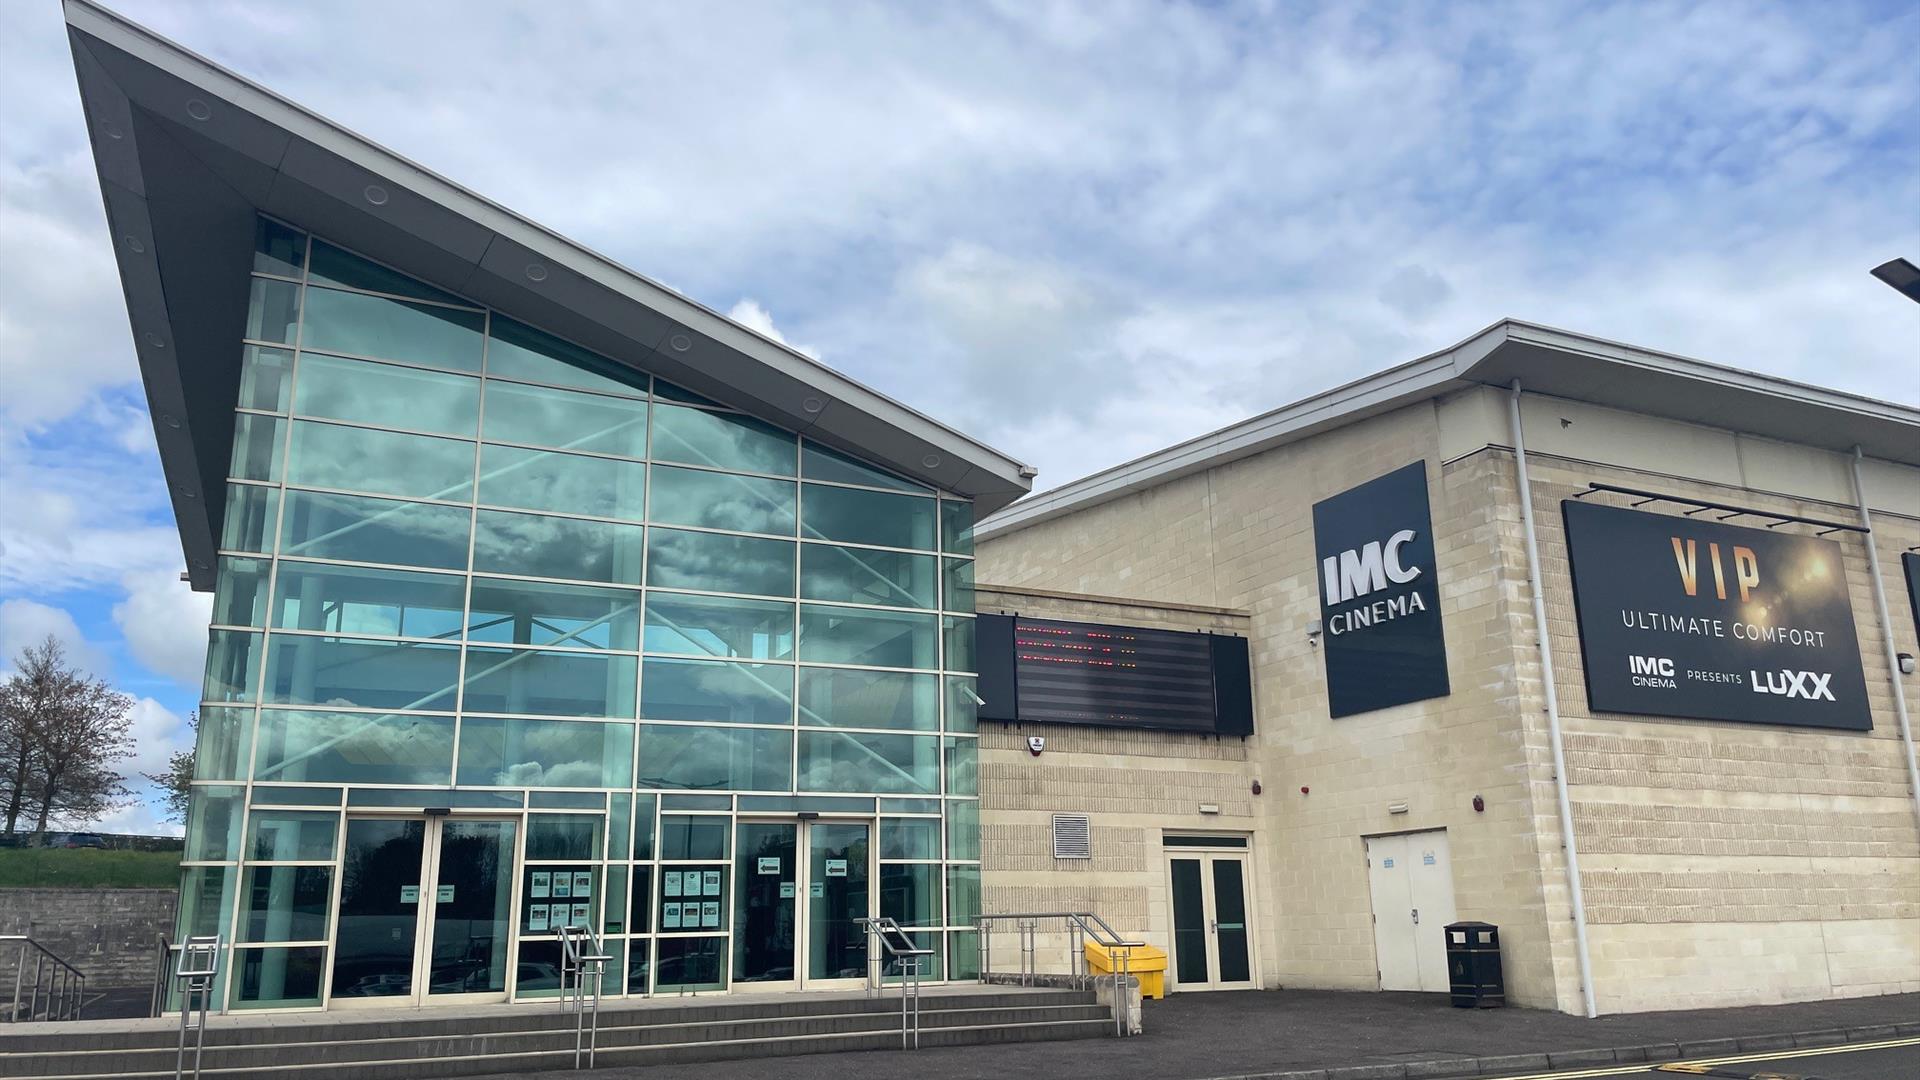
[{"x": 1072, "y": 836}]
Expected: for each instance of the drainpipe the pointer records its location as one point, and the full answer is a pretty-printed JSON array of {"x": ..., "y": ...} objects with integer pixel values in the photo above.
[
  {"x": 1553, "y": 706},
  {"x": 1886, "y": 635}
]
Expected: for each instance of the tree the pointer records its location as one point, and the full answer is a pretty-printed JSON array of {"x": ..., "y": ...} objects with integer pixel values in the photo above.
[
  {"x": 63, "y": 734},
  {"x": 176, "y": 781}
]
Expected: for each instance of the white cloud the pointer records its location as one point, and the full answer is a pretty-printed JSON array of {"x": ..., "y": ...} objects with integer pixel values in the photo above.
[
  {"x": 25, "y": 623},
  {"x": 158, "y": 733},
  {"x": 748, "y": 313},
  {"x": 139, "y": 818},
  {"x": 165, "y": 625},
  {"x": 1077, "y": 231}
]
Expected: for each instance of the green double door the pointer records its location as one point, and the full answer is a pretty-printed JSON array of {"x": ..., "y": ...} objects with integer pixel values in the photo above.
[
  {"x": 426, "y": 905},
  {"x": 1212, "y": 942},
  {"x": 800, "y": 889}
]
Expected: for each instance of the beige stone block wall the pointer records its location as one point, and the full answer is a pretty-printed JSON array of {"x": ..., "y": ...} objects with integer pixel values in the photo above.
[
  {"x": 1134, "y": 785},
  {"x": 1727, "y": 864},
  {"x": 1724, "y": 864},
  {"x": 1242, "y": 536}
]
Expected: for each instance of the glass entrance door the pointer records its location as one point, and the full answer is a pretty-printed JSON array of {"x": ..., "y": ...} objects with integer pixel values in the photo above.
[
  {"x": 472, "y": 908},
  {"x": 425, "y": 908},
  {"x": 839, "y": 892},
  {"x": 766, "y": 887},
  {"x": 799, "y": 890},
  {"x": 1211, "y": 939}
]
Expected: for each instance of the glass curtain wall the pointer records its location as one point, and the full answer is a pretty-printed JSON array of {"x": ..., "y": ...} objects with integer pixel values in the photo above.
[{"x": 465, "y": 563}]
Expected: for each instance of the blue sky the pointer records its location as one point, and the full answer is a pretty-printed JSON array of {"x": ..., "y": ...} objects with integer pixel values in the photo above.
[{"x": 1077, "y": 231}]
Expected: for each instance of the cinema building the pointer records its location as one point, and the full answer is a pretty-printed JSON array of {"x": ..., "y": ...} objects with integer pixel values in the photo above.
[
  {"x": 542, "y": 595},
  {"x": 1606, "y": 647},
  {"x": 545, "y": 597}
]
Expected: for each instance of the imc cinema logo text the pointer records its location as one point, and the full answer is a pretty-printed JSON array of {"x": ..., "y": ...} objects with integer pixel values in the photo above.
[{"x": 1362, "y": 571}]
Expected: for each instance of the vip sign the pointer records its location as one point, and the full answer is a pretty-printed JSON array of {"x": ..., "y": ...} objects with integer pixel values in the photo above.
[
  {"x": 1696, "y": 619},
  {"x": 1380, "y": 594}
]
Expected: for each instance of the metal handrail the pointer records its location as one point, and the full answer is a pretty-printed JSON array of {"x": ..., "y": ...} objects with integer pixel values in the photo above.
[
  {"x": 582, "y": 957},
  {"x": 66, "y": 984},
  {"x": 885, "y": 931},
  {"x": 194, "y": 974},
  {"x": 1082, "y": 926},
  {"x": 163, "y": 958}
]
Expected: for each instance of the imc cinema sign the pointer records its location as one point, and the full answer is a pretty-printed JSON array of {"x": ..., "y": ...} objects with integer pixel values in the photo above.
[
  {"x": 1688, "y": 618},
  {"x": 1379, "y": 594}
]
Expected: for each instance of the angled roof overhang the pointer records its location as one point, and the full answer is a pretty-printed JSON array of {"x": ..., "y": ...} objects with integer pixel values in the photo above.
[
  {"x": 1556, "y": 363},
  {"x": 189, "y": 153}
]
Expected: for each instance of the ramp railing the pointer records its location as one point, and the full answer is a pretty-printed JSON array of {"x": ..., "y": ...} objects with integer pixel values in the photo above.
[
  {"x": 193, "y": 975},
  {"x": 583, "y": 960},
  {"x": 56, "y": 990},
  {"x": 1081, "y": 927},
  {"x": 886, "y": 940}
]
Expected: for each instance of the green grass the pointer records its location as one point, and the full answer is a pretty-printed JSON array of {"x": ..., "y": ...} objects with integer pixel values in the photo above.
[{"x": 56, "y": 868}]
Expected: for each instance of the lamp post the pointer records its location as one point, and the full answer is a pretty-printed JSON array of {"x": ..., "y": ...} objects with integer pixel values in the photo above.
[{"x": 1902, "y": 275}]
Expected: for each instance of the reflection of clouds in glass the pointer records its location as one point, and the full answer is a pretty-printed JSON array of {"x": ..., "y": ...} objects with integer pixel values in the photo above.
[
  {"x": 704, "y": 758},
  {"x": 557, "y": 547},
  {"x": 564, "y": 420},
  {"x": 723, "y": 501},
  {"x": 693, "y": 690},
  {"x": 722, "y": 440},
  {"x": 349, "y": 747},
  {"x": 892, "y": 764},
  {"x": 375, "y": 530},
  {"x": 739, "y": 564},
  {"x": 568, "y": 483},
  {"x": 324, "y": 455},
  {"x": 385, "y": 395},
  {"x": 545, "y": 753}
]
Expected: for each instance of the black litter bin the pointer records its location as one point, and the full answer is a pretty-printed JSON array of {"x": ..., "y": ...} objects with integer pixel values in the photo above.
[{"x": 1473, "y": 966}]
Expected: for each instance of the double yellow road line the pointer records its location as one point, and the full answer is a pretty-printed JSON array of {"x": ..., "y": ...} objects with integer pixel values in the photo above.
[{"x": 1704, "y": 1065}]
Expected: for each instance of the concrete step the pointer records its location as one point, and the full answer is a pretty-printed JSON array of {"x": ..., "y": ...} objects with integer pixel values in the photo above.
[
  {"x": 633, "y": 1036},
  {"x": 259, "y": 1028}
]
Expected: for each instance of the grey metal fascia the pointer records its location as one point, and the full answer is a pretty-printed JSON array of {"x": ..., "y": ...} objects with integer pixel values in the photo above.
[
  {"x": 1006, "y": 474},
  {"x": 1704, "y": 371}
]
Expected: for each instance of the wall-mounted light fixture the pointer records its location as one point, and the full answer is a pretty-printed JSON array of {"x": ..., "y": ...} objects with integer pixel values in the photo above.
[{"x": 1906, "y": 663}]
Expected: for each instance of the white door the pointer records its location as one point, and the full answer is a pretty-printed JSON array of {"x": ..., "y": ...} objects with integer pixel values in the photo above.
[{"x": 1410, "y": 877}]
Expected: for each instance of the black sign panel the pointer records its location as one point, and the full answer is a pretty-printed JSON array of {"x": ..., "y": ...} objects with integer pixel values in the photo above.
[
  {"x": 1690, "y": 618},
  {"x": 1380, "y": 594},
  {"x": 1911, "y": 562},
  {"x": 1050, "y": 671}
]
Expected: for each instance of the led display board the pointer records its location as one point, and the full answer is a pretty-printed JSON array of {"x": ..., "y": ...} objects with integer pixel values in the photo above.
[
  {"x": 1701, "y": 620},
  {"x": 1051, "y": 671}
]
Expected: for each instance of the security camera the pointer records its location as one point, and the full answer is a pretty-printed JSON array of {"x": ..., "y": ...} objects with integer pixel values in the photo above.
[
  {"x": 1906, "y": 663},
  {"x": 1313, "y": 632}
]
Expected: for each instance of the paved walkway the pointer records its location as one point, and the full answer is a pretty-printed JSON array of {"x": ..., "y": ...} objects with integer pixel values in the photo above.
[{"x": 1204, "y": 1036}]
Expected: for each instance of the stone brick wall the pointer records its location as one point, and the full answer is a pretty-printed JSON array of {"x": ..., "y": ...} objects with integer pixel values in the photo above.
[
  {"x": 107, "y": 933},
  {"x": 1241, "y": 536},
  {"x": 1730, "y": 863},
  {"x": 1724, "y": 863},
  {"x": 1134, "y": 784}
]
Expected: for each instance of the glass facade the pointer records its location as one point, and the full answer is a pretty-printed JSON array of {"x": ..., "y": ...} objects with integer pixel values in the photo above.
[{"x": 472, "y": 573}]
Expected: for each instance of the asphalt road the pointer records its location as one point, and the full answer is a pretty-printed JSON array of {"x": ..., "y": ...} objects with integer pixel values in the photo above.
[{"x": 1868, "y": 1062}]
